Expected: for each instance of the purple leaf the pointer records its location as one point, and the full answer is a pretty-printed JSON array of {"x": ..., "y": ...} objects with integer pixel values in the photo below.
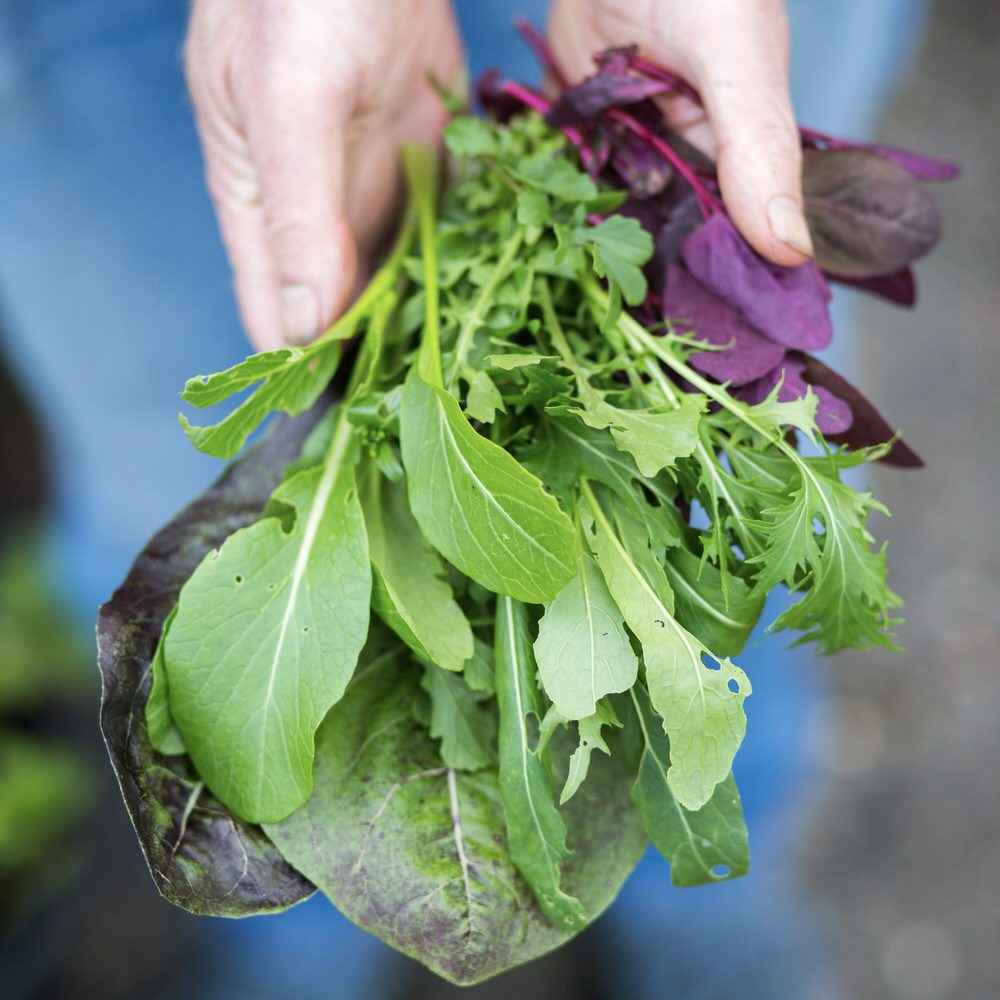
[
  {"x": 645, "y": 172},
  {"x": 869, "y": 427},
  {"x": 833, "y": 414},
  {"x": 787, "y": 304},
  {"x": 925, "y": 168},
  {"x": 692, "y": 306},
  {"x": 684, "y": 218},
  {"x": 899, "y": 287},
  {"x": 866, "y": 214},
  {"x": 495, "y": 100}
]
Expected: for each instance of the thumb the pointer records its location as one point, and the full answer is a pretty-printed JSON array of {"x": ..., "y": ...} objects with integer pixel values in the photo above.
[{"x": 742, "y": 76}]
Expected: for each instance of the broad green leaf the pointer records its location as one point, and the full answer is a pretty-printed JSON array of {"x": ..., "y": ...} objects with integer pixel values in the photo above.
[
  {"x": 701, "y": 704},
  {"x": 417, "y": 853},
  {"x": 484, "y": 399},
  {"x": 582, "y": 649},
  {"x": 709, "y": 845},
  {"x": 409, "y": 591},
  {"x": 722, "y": 620},
  {"x": 163, "y": 734},
  {"x": 291, "y": 381},
  {"x": 266, "y": 637},
  {"x": 536, "y": 832},
  {"x": 655, "y": 440},
  {"x": 591, "y": 739},
  {"x": 465, "y": 727},
  {"x": 620, "y": 247},
  {"x": 478, "y": 507},
  {"x": 555, "y": 176}
]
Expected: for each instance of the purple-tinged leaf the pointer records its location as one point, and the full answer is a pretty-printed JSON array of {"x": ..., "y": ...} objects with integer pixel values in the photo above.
[
  {"x": 925, "y": 168},
  {"x": 787, "y": 304},
  {"x": 869, "y": 427},
  {"x": 684, "y": 218},
  {"x": 899, "y": 287},
  {"x": 866, "y": 214},
  {"x": 693, "y": 307},
  {"x": 645, "y": 172},
  {"x": 833, "y": 414},
  {"x": 500, "y": 105}
]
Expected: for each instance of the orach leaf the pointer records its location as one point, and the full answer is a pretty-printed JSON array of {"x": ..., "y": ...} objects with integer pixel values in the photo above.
[
  {"x": 867, "y": 215},
  {"x": 200, "y": 855},
  {"x": 480, "y": 509},
  {"x": 536, "y": 832},
  {"x": 417, "y": 853},
  {"x": 266, "y": 637}
]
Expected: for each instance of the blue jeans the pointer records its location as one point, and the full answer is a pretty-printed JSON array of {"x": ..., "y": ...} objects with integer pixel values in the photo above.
[{"x": 114, "y": 289}]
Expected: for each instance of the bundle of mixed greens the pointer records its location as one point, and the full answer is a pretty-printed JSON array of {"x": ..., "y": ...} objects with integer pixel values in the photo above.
[{"x": 541, "y": 514}]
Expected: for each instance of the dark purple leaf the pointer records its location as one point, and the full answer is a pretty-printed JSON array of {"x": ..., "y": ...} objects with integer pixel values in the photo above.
[
  {"x": 925, "y": 168},
  {"x": 867, "y": 215},
  {"x": 693, "y": 307},
  {"x": 495, "y": 101},
  {"x": 200, "y": 855},
  {"x": 788, "y": 304},
  {"x": 645, "y": 172},
  {"x": 899, "y": 287},
  {"x": 869, "y": 427},
  {"x": 833, "y": 414},
  {"x": 684, "y": 218}
]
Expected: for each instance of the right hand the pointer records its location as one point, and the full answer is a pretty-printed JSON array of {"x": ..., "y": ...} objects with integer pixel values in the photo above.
[{"x": 302, "y": 106}]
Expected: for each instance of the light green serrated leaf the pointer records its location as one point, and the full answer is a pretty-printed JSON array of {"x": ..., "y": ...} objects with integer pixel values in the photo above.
[
  {"x": 484, "y": 399},
  {"x": 554, "y": 175},
  {"x": 620, "y": 247},
  {"x": 469, "y": 136},
  {"x": 533, "y": 208},
  {"x": 536, "y": 832},
  {"x": 410, "y": 593},
  {"x": 266, "y": 637},
  {"x": 484, "y": 512},
  {"x": 590, "y": 739},
  {"x": 582, "y": 649},
  {"x": 709, "y": 845},
  {"x": 701, "y": 705},
  {"x": 465, "y": 727},
  {"x": 508, "y": 362}
]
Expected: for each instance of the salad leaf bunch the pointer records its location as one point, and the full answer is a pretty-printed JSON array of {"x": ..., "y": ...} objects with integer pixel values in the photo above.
[{"x": 455, "y": 646}]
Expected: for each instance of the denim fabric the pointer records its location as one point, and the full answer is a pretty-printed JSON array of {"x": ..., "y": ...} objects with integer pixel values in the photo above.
[{"x": 114, "y": 289}]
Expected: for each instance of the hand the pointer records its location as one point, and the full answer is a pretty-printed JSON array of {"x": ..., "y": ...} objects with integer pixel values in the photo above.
[
  {"x": 735, "y": 54},
  {"x": 302, "y": 106}
]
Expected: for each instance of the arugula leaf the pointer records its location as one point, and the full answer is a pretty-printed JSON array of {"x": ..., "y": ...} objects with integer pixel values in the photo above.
[
  {"x": 555, "y": 176},
  {"x": 620, "y": 247},
  {"x": 508, "y": 362},
  {"x": 591, "y": 739},
  {"x": 536, "y": 832},
  {"x": 163, "y": 733},
  {"x": 478, "y": 507},
  {"x": 484, "y": 399},
  {"x": 266, "y": 636},
  {"x": 701, "y": 706},
  {"x": 582, "y": 649},
  {"x": 409, "y": 592},
  {"x": 466, "y": 728},
  {"x": 468, "y": 136},
  {"x": 709, "y": 845}
]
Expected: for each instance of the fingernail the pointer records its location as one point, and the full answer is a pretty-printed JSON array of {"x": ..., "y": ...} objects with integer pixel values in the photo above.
[
  {"x": 299, "y": 314},
  {"x": 788, "y": 224}
]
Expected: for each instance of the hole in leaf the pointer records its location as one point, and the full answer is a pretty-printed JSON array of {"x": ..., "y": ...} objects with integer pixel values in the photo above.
[
  {"x": 532, "y": 727},
  {"x": 734, "y": 685},
  {"x": 709, "y": 661},
  {"x": 720, "y": 871}
]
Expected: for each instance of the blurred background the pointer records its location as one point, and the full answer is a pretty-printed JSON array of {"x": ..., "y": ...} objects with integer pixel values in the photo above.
[{"x": 870, "y": 780}]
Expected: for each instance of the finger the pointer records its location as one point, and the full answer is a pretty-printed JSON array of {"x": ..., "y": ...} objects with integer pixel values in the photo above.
[
  {"x": 742, "y": 76},
  {"x": 296, "y": 119}
]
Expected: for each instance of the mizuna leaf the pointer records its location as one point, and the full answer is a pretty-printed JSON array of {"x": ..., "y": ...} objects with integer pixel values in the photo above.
[
  {"x": 201, "y": 857},
  {"x": 466, "y": 729},
  {"x": 163, "y": 734},
  {"x": 701, "y": 705},
  {"x": 582, "y": 649},
  {"x": 536, "y": 832},
  {"x": 478, "y": 507},
  {"x": 867, "y": 215},
  {"x": 266, "y": 637},
  {"x": 709, "y": 845},
  {"x": 409, "y": 592},
  {"x": 417, "y": 853}
]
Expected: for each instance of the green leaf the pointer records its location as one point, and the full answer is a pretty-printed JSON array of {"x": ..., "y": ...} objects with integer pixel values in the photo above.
[
  {"x": 266, "y": 637},
  {"x": 417, "y": 853},
  {"x": 722, "y": 620},
  {"x": 409, "y": 591},
  {"x": 290, "y": 381},
  {"x": 163, "y": 734},
  {"x": 591, "y": 739},
  {"x": 536, "y": 832},
  {"x": 554, "y": 175},
  {"x": 701, "y": 705},
  {"x": 709, "y": 845},
  {"x": 479, "y": 670},
  {"x": 508, "y": 362},
  {"x": 620, "y": 246},
  {"x": 468, "y": 136},
  {"x": 484, "y": 399},
  {"x": 466, "y": 729},
  {"x": 478, "y": 507},
  {"x": 533, "y": 208},
  {"x": 582, "y": 649},
  {"x": 655, "y": 440}
]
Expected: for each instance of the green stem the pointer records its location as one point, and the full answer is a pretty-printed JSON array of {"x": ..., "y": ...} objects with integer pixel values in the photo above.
[{"x": 475, "y": 317}]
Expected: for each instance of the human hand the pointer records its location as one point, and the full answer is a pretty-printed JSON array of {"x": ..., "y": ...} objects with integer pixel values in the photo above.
[
  {"x": 735, "y": 54},
  {"x": 302, "y": 106}
]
